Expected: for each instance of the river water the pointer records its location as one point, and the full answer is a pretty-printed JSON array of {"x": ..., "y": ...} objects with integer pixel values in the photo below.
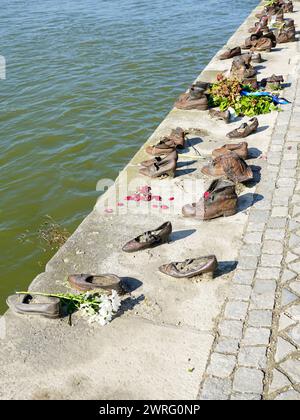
[{"x": 87, "y": 81}]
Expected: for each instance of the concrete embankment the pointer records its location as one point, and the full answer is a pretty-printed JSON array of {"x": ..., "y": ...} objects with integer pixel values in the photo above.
[{"x": 164, "y": 345}]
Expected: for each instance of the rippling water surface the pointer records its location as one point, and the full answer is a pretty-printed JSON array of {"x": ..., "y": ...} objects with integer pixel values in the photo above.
[{"x": 87, "y": 83}]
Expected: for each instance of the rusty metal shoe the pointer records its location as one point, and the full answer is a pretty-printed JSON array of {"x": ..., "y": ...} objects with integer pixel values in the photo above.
[
  {"x": 233, "y": 52},
  {"x": 288, "y": 7},
  {"x": 230, "y": 165},
  {"x": 244, "y": 130},
  {"x": 256, "y": 58},
  {"x": 241, "y": 149},
  {"x": 204, "y": 266},
  {"x": 219, "y": 200},
  {"x": 149, "y": 239},
  {"x": 270, "y": 35},
  {"x": 195, "y": 98},
  {"x": 176, "y": 140},
  {"x": 262, "y": 44},
  {"x": 220, "y": 115},
  {"x": 27, "y": 304},
  {"x": 161, "y": 170},
  {"x": 102, "y": 282},
  {"x": 160, "y": 159},
  {"x": 253, "y": 38},
  {"x": 285, "y": 36},
  {"x": 272, "y": 83},
  {"x": 241, "y": 68}
]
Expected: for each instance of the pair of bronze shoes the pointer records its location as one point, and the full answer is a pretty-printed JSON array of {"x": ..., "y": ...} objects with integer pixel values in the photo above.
[
  {"x": 286, "y": 35},
  {"x": 231, "y": 165},
  {"x": 220, "y": 115},
  {"x": 233, "y": 52},
  {"x": 149, "y": 239},
  {"x": 165, "y": 151},
  {"x": 242, "y": 69},
  {"x": 186, "y": 269},
  {"x": 103, "y": 283},
  {"x": 272, "y": 83},
  {"x": 27, "y": 304},
  {"x": 50, "y": 307},
  {"x": 195, "y": 98},
  {"x": 244, "y": 130},
  {"x": 192, "y": 267},
  {"x": 219, "y": 200},
  {"x": 261, "y": 41}
]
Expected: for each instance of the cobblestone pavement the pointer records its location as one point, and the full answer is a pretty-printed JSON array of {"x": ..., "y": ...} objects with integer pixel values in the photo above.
[{"x": 256, "y": 354}]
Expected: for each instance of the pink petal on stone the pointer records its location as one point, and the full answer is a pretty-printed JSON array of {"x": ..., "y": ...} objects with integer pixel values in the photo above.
[
  {"x": 108, "y": 210},
  {"x": 171, "y": 198},
  {"x": 145, "y": 189},
  {"x": 120, "y": 204},
  {"x": 137, "y": 197},
  {"x": 164, "y": 207},
  {"x": 156, "y": 197},
  {"x": 129, "y": 198}
]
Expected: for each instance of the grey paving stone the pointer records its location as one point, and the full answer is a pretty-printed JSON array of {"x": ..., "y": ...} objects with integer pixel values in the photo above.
[
  {"x": 231, "y": 328},
  {"x": 256, "y": 227},
  {"x": 288, "y": 395},
  {"x": 243, "y": 277},
  {"x": 271, "y": 260},
  {"x": 296, "y": 210},
  {"x": 221, "y": 365},
  {"x": 285, "y": 322},
  {"x": 283, "y": 349},
  {"x": 249, "y": 263},
  {"x": 265, "y": 286},
  {"x": 253, "y": 238},
  {"x": 256, "y": 336},
  {"x": 260, "y": 318},
  {"x": 236, "y": 310},
  {"x": 272, "y": 247},
  {"x": 292, "y": 368},
  {"x": 295, "y": 287},
  {"x": 279, "y": 212},
  {"x": 227, "y": 345},
  {"x": 294, "y": 334},
  {"x": 295, "y": 266},
  {"x": 288, "y": 297},
  {"x": 276, "y": 223},
  {"x": 279, "y": 381},
  {"x": 287, "y": 275},
  {"x": 216, "y": 389},
  {"x": 248, "y": 380},
  {"x": 268, "y": 273},
  {"x": 275, "y": 234},
  {"x": 288, "y": 173},
  {"x": 290, "y": 257},
  {"x": 249, "y": 397},
  {"x": 287, "y": 182},
  {"x": 294, "y": 312},
  {"x": 259, "y": 216},
  {"x": 280, "y": 200},
  {"x": 262, "y": 301},
  {"x": 251, "y": 250},
  {"x": 240, "y": 292},
  {"x": 255, "y": 357},
  {"x": 294, "y": 241}
]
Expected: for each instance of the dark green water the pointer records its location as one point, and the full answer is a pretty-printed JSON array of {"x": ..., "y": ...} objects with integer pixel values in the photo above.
[{"x": 87, "y": 83}]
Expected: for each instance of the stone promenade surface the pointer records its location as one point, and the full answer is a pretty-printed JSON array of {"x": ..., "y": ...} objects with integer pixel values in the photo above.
[{"x": 234, "y": 337}]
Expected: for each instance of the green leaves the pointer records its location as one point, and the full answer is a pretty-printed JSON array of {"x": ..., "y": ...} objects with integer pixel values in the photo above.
[{"x": 225, "y": 93}]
